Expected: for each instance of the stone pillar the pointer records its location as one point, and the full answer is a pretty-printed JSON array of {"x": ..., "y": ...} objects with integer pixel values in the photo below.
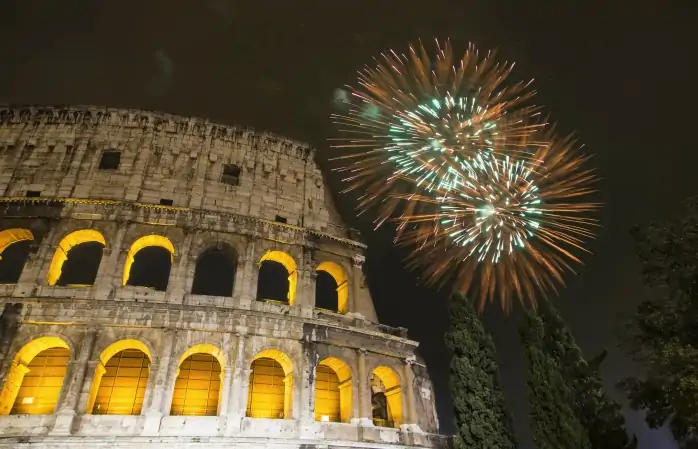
[
  {"x": 157, "y": 385},
  {"x": 9, "y": 323},
  {"x": 13, "y": 381},
  {"x": 70, "y": 393},
  {"x": 290, "y": 406},
  {"x": 364, "y": 386},
  {"x": 172, "y": 373},
  {"x": 176, "y": 284},
  {"x": 250, "y": 273},
  {"x": 226, "y": 376},
  {"x": 410, "y": 414},
  {"x": 237, "y": 396},
  {"x": 361, "y": 300},
  {"x": 36, "y": 267},
  {"x": 108, "y": 275}
]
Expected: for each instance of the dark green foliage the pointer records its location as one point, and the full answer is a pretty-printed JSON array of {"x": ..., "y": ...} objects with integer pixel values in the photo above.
[
  {"x": 481, "y": 417},
  {"x": 600, "y": 416},
  {"x": 553, "y": 421},
  {"x": 663, "y": 335}
]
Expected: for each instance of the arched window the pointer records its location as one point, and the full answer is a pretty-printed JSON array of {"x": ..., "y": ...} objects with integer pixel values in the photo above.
[
  {"x": 333, "y": 391},
  {"x": 14, "y": 252},
  {"x": 331, "y": 288},
  {"x": 277, "y": 278},
  {"x": 120, "y": 380},
  {"x": 77, "y": 258},
  {"x": 386, "y": 397},
  {"x": 270, "y": 392},
  {"x": 35, "y": 378},
  {"x": 215, "y": 272},
  {"x": 198, "y": 385},
  {"x": 148, "y": 262}
]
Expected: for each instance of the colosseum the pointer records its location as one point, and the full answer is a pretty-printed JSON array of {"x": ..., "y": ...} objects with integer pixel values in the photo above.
[{"x": 168, "y": 282}]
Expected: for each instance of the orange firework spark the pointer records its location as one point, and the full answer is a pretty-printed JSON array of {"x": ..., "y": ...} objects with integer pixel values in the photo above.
[
  {"x": 506, "y": 226},
  {"x": 412, "y": 118}
]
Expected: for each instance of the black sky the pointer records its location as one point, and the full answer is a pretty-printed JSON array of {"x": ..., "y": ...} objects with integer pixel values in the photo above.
[{"x": 620, "y": 73}]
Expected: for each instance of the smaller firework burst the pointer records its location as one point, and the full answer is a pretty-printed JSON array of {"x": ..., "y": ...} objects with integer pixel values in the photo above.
[
  {"x": 412, "y": 118},
  {"x": 504, "y": 226}
]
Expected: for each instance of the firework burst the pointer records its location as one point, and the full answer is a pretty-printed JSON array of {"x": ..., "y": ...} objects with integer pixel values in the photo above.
[
  {"x": 413, "y": 118},
  {"x": 505, "y": 225}
]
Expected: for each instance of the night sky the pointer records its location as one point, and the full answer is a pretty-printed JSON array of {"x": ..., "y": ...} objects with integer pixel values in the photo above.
[{"x": 620, "y": 73}]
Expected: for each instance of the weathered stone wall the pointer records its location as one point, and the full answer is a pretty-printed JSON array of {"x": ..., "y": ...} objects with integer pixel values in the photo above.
[{"x": 57, "y": 151}]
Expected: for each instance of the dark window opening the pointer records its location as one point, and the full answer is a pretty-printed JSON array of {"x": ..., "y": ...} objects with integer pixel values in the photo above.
[
  {"x": 272, "y": 283},
  {"x": 151, "y": 268},
  {"x": 326, "y": 291},
  {"x": 33, "y": 194},
  {"x": 231, "y": 175},
  {"x": 281, "y": 219},
  {"x": 214, "y": 274},
  {"x": 82, "y": 264},
  {"x": 166, "y": 202},
  {"x": 379, "y": 403},
  {"x": 110, "y": 160},
  {"x": 13, "y": 259}
]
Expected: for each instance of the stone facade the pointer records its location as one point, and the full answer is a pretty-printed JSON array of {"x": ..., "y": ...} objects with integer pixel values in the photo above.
[{"x": 188, "y": 185}]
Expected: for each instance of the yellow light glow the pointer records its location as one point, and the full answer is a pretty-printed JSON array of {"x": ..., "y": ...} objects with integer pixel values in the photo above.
[
  {"x": 271, "y": 386},
  {"x": 393, "y": 393},
  {"x": 143, "y": 242},
  {"x": 198, "y": 386},
  {"x": 287, "y": 261},
  {"x": 10, "y": 236},
  {"x": 340, "y": 277},
  {"x": 120, "y": 380},
  {"x": 37, "y": 371},
  {"x": 333, "y": 391},
  {"x": 68, "y": 242}
]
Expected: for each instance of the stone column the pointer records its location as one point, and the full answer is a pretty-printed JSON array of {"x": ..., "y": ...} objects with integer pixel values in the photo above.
[
  {"x": 237, "y": 396},
  {"x": 13, "y": 381},
  {"x": 364, "y": 386},
  {"x": 290, "y": 406},
  {"x": 361, "y": 301},
  {"x": 70, "y": 393},
  {"x": 157, "y": 384},
  {"x": 36, "y": 267},
  {"x": 410, "y": 412},
  {"x": 172, "y": 373},
  {"x": 226, "y": 376},
  {"x": 108, "y": 275},
  {"x": 9, "y": 323},
  {"x": 176, "y": 283},
  {"x": 250, "y": 273}
]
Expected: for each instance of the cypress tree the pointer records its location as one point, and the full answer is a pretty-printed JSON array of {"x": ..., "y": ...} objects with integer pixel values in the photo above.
[
  {"x": 553, "y": 421},
  {"x": 480, "y": 411},
  {"x": 600, "y": 416}
]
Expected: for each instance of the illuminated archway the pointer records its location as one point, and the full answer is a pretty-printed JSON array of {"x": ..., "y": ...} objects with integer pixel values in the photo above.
[
  {"x": 340, "y": 286},
  {"x": 214, "y": 274},
  {"x": 386, "y": 397},
  {"x": 271, "y": 386},
  {"x": 35, "y": 377},
  {"x": 120, "y": 379},
  {"x": 289, "y": 264},
  {"x": 148, "y": 241},
  {"x": 333, "y": 391},
  {"x": 197, "y": 389},
  {"x": 70, "y": 241},
  {"x": 12, "y": 262}
]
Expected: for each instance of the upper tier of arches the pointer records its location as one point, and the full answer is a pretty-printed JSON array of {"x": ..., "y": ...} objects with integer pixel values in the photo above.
[{"x": 147, "y": 261}]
